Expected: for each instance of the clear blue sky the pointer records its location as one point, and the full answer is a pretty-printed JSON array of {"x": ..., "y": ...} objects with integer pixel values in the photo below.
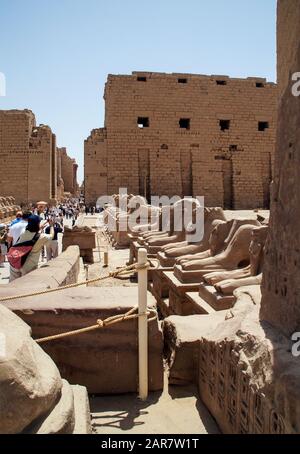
[{"x": 56, "y": 54}]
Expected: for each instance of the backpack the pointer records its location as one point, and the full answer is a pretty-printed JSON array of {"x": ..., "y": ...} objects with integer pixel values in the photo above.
[{"x": 18, "y": 253}]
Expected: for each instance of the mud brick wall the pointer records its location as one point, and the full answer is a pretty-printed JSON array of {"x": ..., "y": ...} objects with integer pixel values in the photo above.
[
  {"x": 181, "y": 150},
  {"x": 281, "y": 284}
]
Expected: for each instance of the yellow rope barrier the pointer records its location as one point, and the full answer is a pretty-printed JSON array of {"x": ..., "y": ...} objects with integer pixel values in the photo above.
[
  {"x": 100, "y": 324},
  {"x": 114, "y": 274}
]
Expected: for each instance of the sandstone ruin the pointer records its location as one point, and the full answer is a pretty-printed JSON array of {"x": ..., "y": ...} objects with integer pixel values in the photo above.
[
  {"x": 228, "y": 336},
  {"x": 185, "y": 134},
  {"x": 225, "y": 307},
  {"x": 35, "y": 169}
]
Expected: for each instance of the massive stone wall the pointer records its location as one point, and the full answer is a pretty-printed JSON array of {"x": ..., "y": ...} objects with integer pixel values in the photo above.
[
  {"x": 249, "y": 372},
  {"x": 68, "y": 171},
  {"x": 95, "y": 165},
  {"x": 15, "y": 127},
  {"x": 30, "y": 162},
  {"x": 281, "y": 286},
  {"x": 39, "y": 160},
  {"x": 163, "y": 135}
]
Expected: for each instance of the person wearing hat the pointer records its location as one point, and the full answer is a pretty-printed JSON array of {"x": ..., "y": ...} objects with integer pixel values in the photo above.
[{"x": 32, "y": 231}]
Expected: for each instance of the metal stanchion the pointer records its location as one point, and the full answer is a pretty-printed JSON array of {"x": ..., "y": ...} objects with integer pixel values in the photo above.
[{"x": 143, "y": 325}]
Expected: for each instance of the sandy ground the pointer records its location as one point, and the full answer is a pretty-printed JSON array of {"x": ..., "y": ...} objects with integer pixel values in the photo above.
[{"x": 175, "y": 411}]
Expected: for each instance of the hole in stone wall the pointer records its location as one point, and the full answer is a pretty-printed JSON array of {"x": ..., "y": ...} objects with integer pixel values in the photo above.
[
  {"x": 259, "y": 85},
  {"x": 182, "y": 81},
  {"x": 263, "y": 125},
  {"x": 224, "y": 125},
  {"x": 184, "y": 123},
  {"x": 233, "y": 147},
  {"x": 221, "y": 82},
  {"x": 142, "y": 79},
  {"x": 143, "y": 122}
]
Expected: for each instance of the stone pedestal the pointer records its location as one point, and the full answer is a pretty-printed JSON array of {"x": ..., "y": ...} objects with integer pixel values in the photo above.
[
  {"x": 105, "y": 360},
  {"x": 179, "y": 304},
  {"x": 84, "y": 237},
  {"x": 159, "y": 287}
]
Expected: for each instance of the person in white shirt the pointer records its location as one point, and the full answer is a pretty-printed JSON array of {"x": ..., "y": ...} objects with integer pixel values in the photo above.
[
  {"x": 16, "y": 230},
  {"x": 32, "y": 261}
]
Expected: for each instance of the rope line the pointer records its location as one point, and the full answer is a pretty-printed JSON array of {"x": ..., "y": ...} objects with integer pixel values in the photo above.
[
  {"x": 113, "y": 274},
  {"x": 114, "y": 319},
  {"x": 101, "y": 324}
]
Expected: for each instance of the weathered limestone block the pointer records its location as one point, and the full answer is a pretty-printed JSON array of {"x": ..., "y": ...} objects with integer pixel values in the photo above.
[
  {"x": 30, "y": 383},
  {"x": 181, "y": 344},
  {"x": 248, "y": 378},
  {"x": 106, "y": 360},
  {"x": 61, "y": 419},
  {"x": 281, "y": 289}
]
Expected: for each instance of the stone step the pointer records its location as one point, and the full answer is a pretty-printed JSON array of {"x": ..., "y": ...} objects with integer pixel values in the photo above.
[
  {"x": 200, "y": 304},
  {"x": 181, "y": 287},
  {"x": 215, "y": 299}
]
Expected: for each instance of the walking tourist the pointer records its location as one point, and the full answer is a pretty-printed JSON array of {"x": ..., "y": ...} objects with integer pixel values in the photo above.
[
  {"x": 52, "y": 246},
  {"x": 33, "y": 240}
]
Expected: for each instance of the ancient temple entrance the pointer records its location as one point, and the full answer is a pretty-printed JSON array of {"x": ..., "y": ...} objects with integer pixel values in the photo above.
[{"x": 144, "y": 173}]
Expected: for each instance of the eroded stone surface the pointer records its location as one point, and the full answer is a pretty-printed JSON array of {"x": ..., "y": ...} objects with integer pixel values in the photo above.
[
  {"x": 30, "y": 383},
  {"x": 281, "y": 289}
]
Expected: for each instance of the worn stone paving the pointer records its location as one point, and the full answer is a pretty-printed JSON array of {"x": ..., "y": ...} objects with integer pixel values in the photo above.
[{"x": 176, "y": 410}]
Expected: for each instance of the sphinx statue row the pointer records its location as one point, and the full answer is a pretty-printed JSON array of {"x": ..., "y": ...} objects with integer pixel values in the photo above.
[
  {"x": 8, "y": 208},
  {"x": 229, "y": 254}
]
